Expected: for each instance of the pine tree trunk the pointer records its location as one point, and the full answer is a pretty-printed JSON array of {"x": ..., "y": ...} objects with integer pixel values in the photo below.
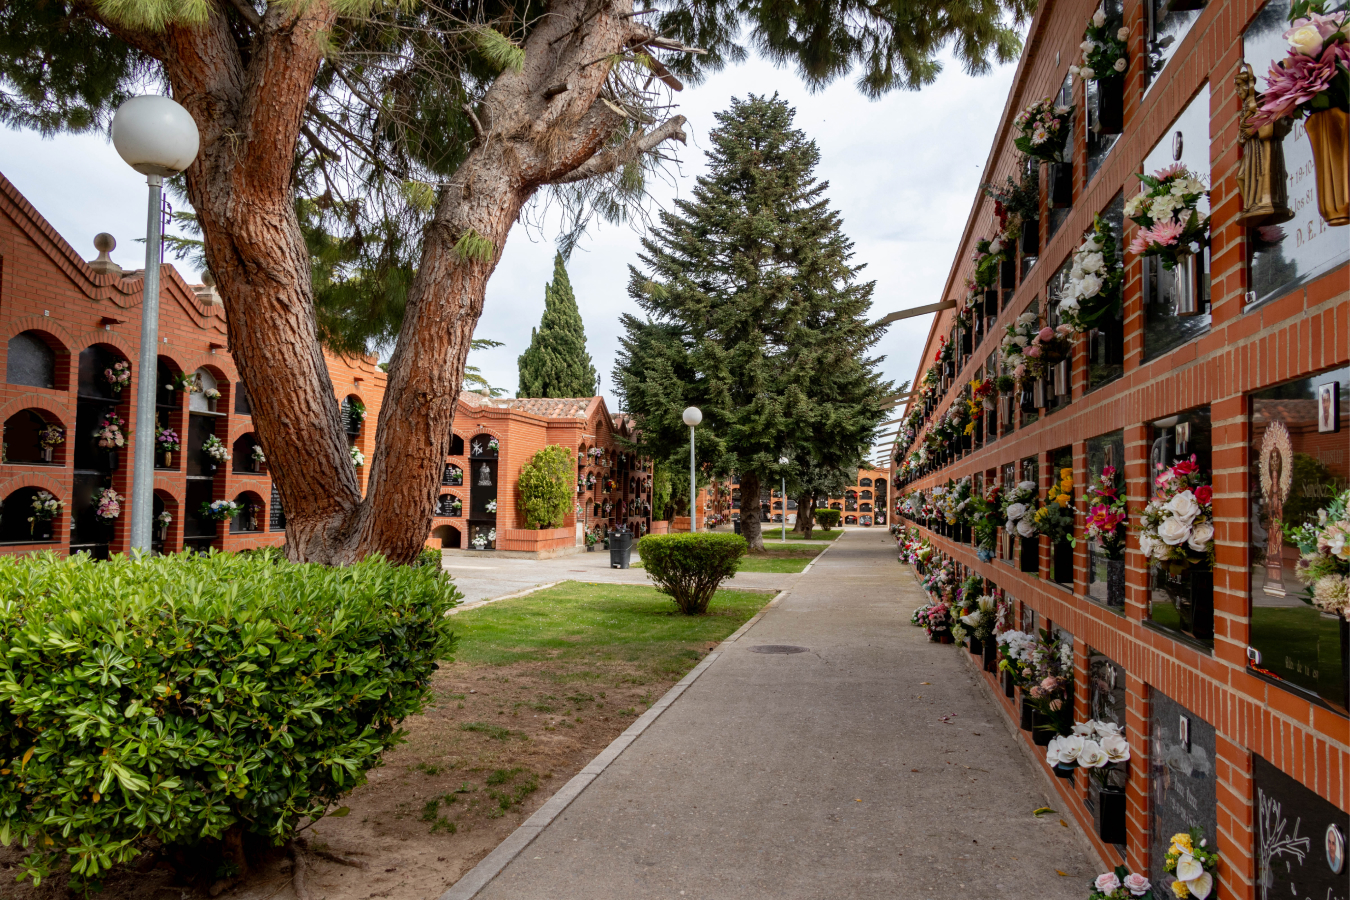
[
  {"x": 249, "y": 114},
  {"x": 809, "y": 528},
  {"x": 750, "y": 525},
  {"x": 799, "y": 525}
]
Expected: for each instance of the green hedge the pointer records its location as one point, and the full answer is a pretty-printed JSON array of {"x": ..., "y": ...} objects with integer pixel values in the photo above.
[
  {"x": 180, "y": 698},
  {"x": 828, "y": 518},
  {"x": 690, "y": 567}
]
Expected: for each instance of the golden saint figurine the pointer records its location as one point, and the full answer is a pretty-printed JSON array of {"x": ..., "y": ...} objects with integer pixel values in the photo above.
[{"x": 1262, "y": 179}]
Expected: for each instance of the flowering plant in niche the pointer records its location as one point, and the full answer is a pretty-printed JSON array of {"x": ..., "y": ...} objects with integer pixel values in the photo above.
[
  {"x": 109, "y": 434},
  {"x": 492, "y": 445},
  {"x": 1193, "y": 864},
  {"x": 980, "y": 621},
  {"x": 184, "y": 382},
  {"x": 1095, "y": 278},
  {"x": 1044, "y": 128},
  {"x": 258, "y": 455},
  {"x": 1121, "y": 885},
  {"x": 221, "y": 510},
  {"x": 215, "y": 449},
  {"x": 211, "y": 394},
  {"x": 1315, "y": 75},
  {"x": 1104, "y": 50},
  {"x": 1177, "y": 526},
  {"x": 1055, "y": 518},
  {"x": 1325, "y": 547},
  {"x": 491, "y": 506},
  {"x": 51, "y": 435},
  {"x": 107, "y": 504},
  {"x": 1094, "y": 745},
  {"x": 163, "y": 519},
  {"x": 987, "y": 515},
  {"x": 1107, "y": 513},
  {"x": 1049, "y": 346},
  {"x": 118, "y": 377},
  {"x": 1019, "y": 509},
  {"x": 1167, "y": 213},
  {"x": 989, "y": 255}
]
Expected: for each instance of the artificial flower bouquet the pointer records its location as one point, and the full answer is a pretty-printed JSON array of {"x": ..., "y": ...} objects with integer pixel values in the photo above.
[
  {"x": 163, "y": 519},
  {"x": 1168, "y": 216},
  {"x": 1093, "y": 745},
  {"x": 1055, "y": 517},
  {"x": 981, "y": 618},
  {"x": 1315, "y": 74},
  {"x": 51, "y": 435},
  {"x": 1048, "y": 347},
  {"x": 118, "y": 377},
  {"x": 490, "y": 506},
  {"x": 214, "y": 448},
  {"x": 956, "y": 502},
  {"x": 358, "y": 458},
  {"x": 258, "y": 455},
  {"x": 107, "y": 504},
  {"x": 1019, "y": 509},
  {"x": 1325, "y": 547},
  {"x": 934, "y": 618},
  {"x": 1107, "y": 513},
  {"x": 1177, "y": 526},
  {"x": 211, "y": 394},
  {"x": 492, "y": 445},
  {"x": 1193, "y": 864},
  {"x": 1121, "y": 885},
  {"x": 1044, "y": 128},
  {"x": 45, "y": 508},
  {"x": 221, "y": 510},
  {"x": 1104, "y": 50},
  {"x": 989, "y": 254},
  {"x": 987, "y": 513},
  {"x": 183, "y": 382},
  {"x": 1014, "y": 651},
  {"x": 1043, "y": 667},
  {"x": 1095, "y": 278},
  {"x": 1017, "y": 338},
  {"x": 110, "y": 433},
  {"x": 166, "y": 439}
]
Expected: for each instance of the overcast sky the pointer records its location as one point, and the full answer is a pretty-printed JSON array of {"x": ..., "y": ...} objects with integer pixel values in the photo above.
[{"x": 902, "y": 171}]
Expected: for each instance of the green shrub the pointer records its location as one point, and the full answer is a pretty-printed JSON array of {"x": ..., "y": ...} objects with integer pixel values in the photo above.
[
  {"x": 660, "y": 491},
  {"x": 431, "y": 558},
  {"x": 690, "y": 567},
  {"x": 546, "y": 487},
  {"x": 189, "y": 698},
  {"x": 828, "y": 518}
]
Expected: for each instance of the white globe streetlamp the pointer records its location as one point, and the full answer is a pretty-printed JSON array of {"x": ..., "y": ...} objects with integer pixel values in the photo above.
[
  {"x": 783, "y": 461},
  {"x": 158, "y": 138},
  {"x": 692, "y": 416}
]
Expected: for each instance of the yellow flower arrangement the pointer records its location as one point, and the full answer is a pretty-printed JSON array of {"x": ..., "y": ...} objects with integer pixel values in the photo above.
[{"x": 1182, "y": 842}]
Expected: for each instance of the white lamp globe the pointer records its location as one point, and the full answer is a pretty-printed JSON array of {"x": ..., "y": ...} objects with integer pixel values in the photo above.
[
  {"x": 692, "y": 416},
  {"x": 154, "y": 135}
]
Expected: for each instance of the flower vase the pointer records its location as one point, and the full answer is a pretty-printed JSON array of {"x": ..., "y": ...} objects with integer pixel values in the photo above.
[
  {"x": 1329, "y": 132},
  {"x": 1063, "y": 559},
  {"x": 1007, "y": 274},
  {"x": 1040, "y": 735},
  {"x": 1110, "y": 105},
  {"x": 1061, "y": 185},
  {"x": 1187, "y": 278},
  {"x": 1065, "y": 772},
  {"x": 1111, "y": 824},
  {"x": 1009, "y": 688},
  {"x": 967, "y": 342},
  {"x": 168, "y": 459},
  {"x": 1113, "y": 339},
  {"x": 944, "y": 637},
  {"x": 1027, "y": 401},
  {"x": 975, "y": 646},
  {"x": 1031, "y": 237},
  {"x": 42, "y": 530},
  {"x": 110, "y": 461},
  {"x": 990, "y": 656},
  {"x": 47, "y": 454},
  {"x": 210, "y": 404},
  {"x": 1005, "y": 410},
  {"x": 254, "y": 465},
  {"x": 1115, "y": 583},
  {"x": 1062, "y": 371},
  {"x": 1031, "y": 555},
  {"x": 1028, "y": 715},
  {"x": 991, "y": 304}
]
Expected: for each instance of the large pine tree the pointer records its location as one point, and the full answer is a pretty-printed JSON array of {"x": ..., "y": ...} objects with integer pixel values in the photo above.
[
  {"x": 556, "y": 363},
  {"x": 755, "y": 315}
]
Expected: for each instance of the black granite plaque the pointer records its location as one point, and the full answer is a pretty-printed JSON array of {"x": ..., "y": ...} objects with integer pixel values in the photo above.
[
  {"x": 1181, "y": 779},
  {"x": 1300, "y": 839}
]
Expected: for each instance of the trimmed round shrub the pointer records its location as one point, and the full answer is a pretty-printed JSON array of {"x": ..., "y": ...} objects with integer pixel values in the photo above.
[
  {"x": 188, "y": 698},
  {"x": 828, "y": 518},
  {"x": 689, "y": 567}
]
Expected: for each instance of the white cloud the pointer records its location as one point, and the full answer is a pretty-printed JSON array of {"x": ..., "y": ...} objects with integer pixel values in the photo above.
[{"x": 902, "y": 171}]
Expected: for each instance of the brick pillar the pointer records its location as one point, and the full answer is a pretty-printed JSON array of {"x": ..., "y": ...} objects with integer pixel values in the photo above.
[
  {"x": 1136, "y": 790},
  {"x": 1140, "y": 479}
]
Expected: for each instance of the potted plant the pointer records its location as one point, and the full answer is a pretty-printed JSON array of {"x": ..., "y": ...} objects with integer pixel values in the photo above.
[
  {"x": 1105, "y": 59},
  {"x": 167, "y": 443},
  {"x": 215, "y": 452},
  {"x": 45, "y": 509},
  {"x": 1172, "y": 229},
  {"x": 118, "y": 377},
  {"x": 1106, "y": 518},
  {"x": 1178, "y": 535},
  {"x": 50, "y": 435},
  {"x": 110, "y": 436},
  {"x": 1313, "y": 81},
  {"x": 590, "y": 542}
]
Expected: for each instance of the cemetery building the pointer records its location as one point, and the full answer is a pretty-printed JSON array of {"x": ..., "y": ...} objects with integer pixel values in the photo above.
[{"x": 1226, "y": 361}]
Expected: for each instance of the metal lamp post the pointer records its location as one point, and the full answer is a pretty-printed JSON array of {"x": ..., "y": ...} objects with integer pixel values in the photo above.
[
  {"x": 156, "y": 137},
  {"x": 783, "y": 461},
  {"x": 692, "y": 416}
]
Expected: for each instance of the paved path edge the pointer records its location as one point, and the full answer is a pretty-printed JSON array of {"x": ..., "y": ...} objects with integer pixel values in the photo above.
[{"x": 490, "y": 866}]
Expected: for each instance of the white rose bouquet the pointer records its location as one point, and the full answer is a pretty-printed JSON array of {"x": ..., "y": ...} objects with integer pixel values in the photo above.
[
  {"x": 1177, "y": 526},
  {"x": 1019, "y": 509},
  {"x": 1104, "y": 50},
  {"x": 1094, "y": 745},
  {"x": 1019, "y": 335},
  {"x": 1325, "y": 547},
  {"x": 1095, "y": 277}
]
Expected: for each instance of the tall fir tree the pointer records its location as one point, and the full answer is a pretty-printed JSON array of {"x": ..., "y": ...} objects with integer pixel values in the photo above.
[
  {"x": 556, "y": 363},
  {"x": 755, "y": 315}
]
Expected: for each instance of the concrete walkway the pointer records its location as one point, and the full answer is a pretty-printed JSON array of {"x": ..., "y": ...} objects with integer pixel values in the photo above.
[{"x": 871, "y": 766}]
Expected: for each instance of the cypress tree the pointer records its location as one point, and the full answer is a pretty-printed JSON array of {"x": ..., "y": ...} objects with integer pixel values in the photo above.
[
  {"x": 755, "y": 315},
  {"x": 556, "y": 363}
]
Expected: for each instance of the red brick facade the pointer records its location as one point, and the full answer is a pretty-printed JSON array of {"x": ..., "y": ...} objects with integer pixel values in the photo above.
[
  {"x": 49, "y": 292},
  {"x": 1248, "y": 346}
]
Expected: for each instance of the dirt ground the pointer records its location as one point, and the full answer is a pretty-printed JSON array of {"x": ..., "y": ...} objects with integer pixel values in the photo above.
[{"x": 498, "y": 742}]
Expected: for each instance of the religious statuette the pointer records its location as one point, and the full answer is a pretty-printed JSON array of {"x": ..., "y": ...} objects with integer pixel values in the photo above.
[{"x": 1262, "y": 179}]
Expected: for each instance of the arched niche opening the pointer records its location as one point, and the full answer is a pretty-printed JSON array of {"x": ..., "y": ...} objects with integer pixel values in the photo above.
[
  {"x": 34, "y": 437},
  {"x": 456, "y": 445},
  {"x": 353, "y": 416},
  {"x": 32, "y": 361},
  {"x": 448, "y": 535},
  {"x": 15, "y": 527},
  {"x": 449, "y": 506},
  {"x": 166, "y": 524},
  {"x": 246, "y": 454},
  {"x": 206, "y": 391},
  {"x": 252, "y": 516}
]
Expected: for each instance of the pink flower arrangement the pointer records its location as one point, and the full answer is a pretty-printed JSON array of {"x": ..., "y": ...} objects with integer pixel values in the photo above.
[
  {"x": 1306, "y": 80},
  {"x": 1107, "y": 513},
  {"x": 1167, "y": 213}
]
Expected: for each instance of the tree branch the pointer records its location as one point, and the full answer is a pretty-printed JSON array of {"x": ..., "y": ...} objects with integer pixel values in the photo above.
[
  {"x": 631, "y": 149},
  {"x": 249, "y": 14}
]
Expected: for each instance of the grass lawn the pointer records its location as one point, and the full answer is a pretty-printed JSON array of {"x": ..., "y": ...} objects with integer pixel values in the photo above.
[
  {"x": 777, "y": 557},
  {"x": 776, "y": 532}
]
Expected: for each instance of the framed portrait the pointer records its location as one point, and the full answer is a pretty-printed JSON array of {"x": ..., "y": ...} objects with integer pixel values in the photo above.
[{"x": 1328, "y": 407}]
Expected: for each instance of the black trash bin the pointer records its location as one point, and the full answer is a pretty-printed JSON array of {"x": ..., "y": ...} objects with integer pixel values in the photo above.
[
  {"x": 737, "y": 523},
  {"x": 620, "y": 549}
]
